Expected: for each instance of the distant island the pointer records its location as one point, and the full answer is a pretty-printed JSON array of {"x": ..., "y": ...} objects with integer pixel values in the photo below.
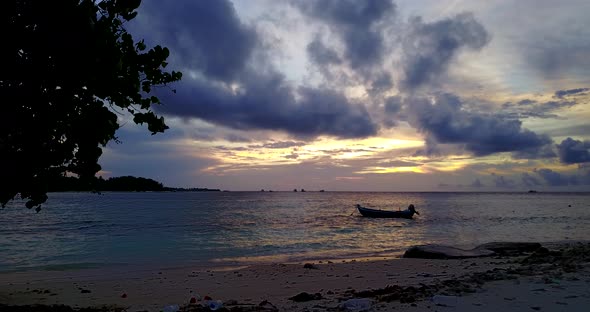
[{"x": 116, "y": 184}]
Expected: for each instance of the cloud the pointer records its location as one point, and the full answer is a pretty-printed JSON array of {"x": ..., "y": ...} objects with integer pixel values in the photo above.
[
  {"x": 528, "y": 108},
  {"x": 444, "y": 120},
  {"x": 321, "y": 54},
  {"x": 357, "y": 23},
  {"x": 226, "y": 85},
  {"x": 533, "y": 109},
  {"x": 381, "y": 83},
  {"x": 530, "y": 180},
  {"x": 526, "y": 102},
  {"x": 399, "y": 163},
  {"x": 268, "y": 102},
  {"x": 236, "y": 138},
  {"x": 279, "y": 144},
  {"x": 232, "y": 149},
  {"x": 202, "y": 35},
  {"x": 544, "y": 151},
  {"x": 553, "y": 178},
  {"x": 502, "y": 182},
  {"x": 293, "y": 155},
  {"x": 162, "y": 157},
  {"x": 554, "y": 105},
  {"x": 429, "y": 48},
  {"x": 570, "y": 129},
  {"x": 199, "y": 132},
  {"x": 392, "y": 107},
  {"x": 573, "y": 151},
  {"x": 477, "y": 183},
  {"x": 393, "y": 104},
  {"x": 549, "y": 37},
  {"x": 562, "y": 93},
  {"x": 554, "y": 55}
]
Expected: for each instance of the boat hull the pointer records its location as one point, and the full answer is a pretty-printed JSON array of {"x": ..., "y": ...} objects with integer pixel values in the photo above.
[{"x": 376, "y": 213}]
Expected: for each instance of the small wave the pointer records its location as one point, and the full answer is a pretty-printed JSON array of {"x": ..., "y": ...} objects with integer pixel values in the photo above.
[{"x": 55, "y": 267}]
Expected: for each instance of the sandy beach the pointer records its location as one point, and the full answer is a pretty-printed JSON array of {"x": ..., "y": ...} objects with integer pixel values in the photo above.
[{"x": 553, "y": 279}]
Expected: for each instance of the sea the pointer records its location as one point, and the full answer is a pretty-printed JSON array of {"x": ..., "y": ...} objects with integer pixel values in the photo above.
[{"x": 232, "y": 229}]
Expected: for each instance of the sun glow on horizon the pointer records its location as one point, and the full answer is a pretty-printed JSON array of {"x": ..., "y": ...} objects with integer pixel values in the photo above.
[
  {"x": 384, "y": 170},
  {"x": 264, "y": 155}
]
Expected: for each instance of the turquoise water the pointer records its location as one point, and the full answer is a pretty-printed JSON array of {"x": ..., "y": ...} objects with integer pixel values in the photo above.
[{"x": 80, "y": 230}]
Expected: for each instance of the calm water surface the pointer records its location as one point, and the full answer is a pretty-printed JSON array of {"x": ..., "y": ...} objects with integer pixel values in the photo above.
[{"x": 233, "y": 228}]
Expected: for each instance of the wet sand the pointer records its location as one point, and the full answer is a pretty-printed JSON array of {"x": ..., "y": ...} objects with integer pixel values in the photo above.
[{"x": 553, "y": 279}]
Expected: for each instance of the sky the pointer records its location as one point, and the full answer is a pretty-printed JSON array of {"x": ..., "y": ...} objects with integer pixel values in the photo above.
[{"x": 366, "y": 95}]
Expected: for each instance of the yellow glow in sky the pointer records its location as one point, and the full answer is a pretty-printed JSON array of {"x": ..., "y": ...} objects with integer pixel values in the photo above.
[{"x": 383, "y": 170}]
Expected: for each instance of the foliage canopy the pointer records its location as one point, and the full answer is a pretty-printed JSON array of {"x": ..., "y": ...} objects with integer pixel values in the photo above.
[{"x": 70, "y": 69}]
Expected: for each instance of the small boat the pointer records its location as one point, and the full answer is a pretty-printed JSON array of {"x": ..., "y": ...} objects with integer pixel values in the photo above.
[{"x": 377, "y": 213}]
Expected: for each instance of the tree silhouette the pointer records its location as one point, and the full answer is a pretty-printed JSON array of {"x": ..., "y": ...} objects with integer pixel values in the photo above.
[
  {"x": 70, "y": 68},
  {"x": 113, "y": 184}
]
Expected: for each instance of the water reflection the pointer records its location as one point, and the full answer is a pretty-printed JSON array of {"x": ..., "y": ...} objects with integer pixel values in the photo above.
[{"x": 227, "y": 228}]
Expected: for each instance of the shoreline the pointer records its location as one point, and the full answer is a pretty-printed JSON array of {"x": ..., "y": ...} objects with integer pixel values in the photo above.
[
  {"x": 417, "y": 279},
  {"x": 225, "y": 264}
]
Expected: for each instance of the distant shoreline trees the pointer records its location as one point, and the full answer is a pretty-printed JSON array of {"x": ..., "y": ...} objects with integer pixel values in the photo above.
[{"x": 115, "y": 184}]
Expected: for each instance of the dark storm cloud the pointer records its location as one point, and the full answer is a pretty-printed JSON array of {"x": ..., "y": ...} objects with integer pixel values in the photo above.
[
  {"x": 267, "y": 102},
  {"x": 381, "y": 83},
  {"x": 356, "y": 22},
  {"x": 562, "y": 93},
  {"x": 202, "y": 35},
  {"x": 320, "y": 54},
  {"x": 444, "y": 120},
  {"x": 429, "y": 48},
  {"x": 207, "y": 37},
  {"x": 392, "y": 108},
  {"x": 573, "y": 151},
  {"x": 393, "y": 104}
]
